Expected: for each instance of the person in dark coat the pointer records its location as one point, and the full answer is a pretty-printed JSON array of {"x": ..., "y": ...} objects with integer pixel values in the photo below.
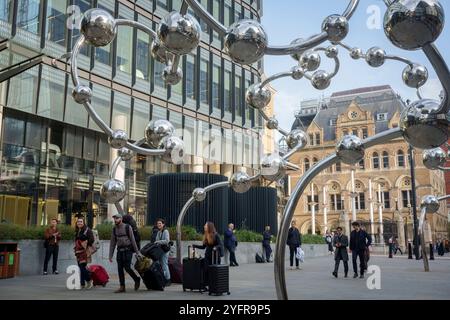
[
  {"x": 340, "y": 242},
  {"x": 441, "y": 249},
  {"x": 155, "y": 231},
  {"x": 267, "y": 236},
  {"x": 359, "y": 241},
  {"x": 294, "y": 241},
  {"x": 230, "y": 243}
]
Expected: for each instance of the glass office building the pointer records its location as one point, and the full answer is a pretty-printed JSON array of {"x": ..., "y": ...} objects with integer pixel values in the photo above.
[{"x": 53, "y": 156}]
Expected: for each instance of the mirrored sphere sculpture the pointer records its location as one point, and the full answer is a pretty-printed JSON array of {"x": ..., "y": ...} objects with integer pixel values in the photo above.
[
  {"x": 434, "y": 158},
  {"x": 240, "y": 182},
  {"x": 118, "y": 139},
  {"x": 273, "y": 167},
  {"x": 350, "y": 150},
  {"x": 296, "y": 56},
  {"x": 82, "y": 94},
  {"x": 430, "y": 203},
  {"x": 174, "y": 147},
  {"x": 336, "y": 26},
  {"x": 158, "y": 52},
  {"x": 272, "y": 124},
  {"x": 199, "y": 194},
  {"x": 415, "y": 76},
  {"x": 170, "y": 77},
  {"x": 98, "y": 27},
  {"x": 258, "y": 97},
  {"x": 156, "y": 131},
  {"x": 113, "y": 191},
  {"x": 375, "y": 57},
  {"x": 310, "y": 60},
  {"x": 356, "y": 53},
  {"x": 125, "y": 154},
  {"x": 332, "y": 52},
  {"x": 321, "y": 80},
  {"x": 295, "y": 138}
]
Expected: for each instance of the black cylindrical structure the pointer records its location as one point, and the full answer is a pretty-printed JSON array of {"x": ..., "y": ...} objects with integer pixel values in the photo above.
[{"x": 167, "y": 194}]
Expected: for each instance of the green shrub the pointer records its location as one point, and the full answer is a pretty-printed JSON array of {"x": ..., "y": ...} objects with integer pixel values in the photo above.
[
  {"x": 312, "y": 239},
  {"x": 16, "y": 232},
  {"x": 248, "y": 236},
  {"x": 188, "y": 233},
  {"x": 104, "y": 230}
]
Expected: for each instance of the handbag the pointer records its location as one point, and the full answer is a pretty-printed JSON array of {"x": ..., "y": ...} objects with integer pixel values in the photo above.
[{"x": 300, "y": 255}]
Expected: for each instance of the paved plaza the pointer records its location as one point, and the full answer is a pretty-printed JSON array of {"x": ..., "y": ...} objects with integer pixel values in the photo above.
[{"x": 400, "y": 279}]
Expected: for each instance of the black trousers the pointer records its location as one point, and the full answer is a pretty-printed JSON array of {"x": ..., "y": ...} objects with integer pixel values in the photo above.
[
  {"x": 337, "y": 263},
  {"x": 124, "y": 262},
  {"x": 362, "y": 261},
  {"x": 398, "y": 249},
  {"x": 233, "y": 261},
  {"x": 51, "y": 251},
  {"x": 84, "y": 273},
  {"x": 268, "y": 250},
  {"x": 292, "y": 252}
]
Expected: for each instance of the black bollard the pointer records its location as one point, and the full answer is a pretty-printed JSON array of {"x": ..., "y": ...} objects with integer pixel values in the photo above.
[
  {"x": 409, "y": 251},
  {"x": 390, "y": 250},
  {"x": 431, "y": 252}
]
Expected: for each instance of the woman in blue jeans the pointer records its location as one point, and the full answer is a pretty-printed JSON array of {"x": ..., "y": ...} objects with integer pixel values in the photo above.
[
  {"x": 84, "y": 238},
  {"x": 163, "y": 237}
]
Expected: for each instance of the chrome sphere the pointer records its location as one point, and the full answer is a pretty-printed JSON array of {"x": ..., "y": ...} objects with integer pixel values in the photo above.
[
  {"x": 295, "y": 138},
  {"x": 336, "y": 27},
  {"x": 356, "y": 53},
  {"x": 422, "y": 126},
  {"x": 296, "y": 56},
  {"x": 297, "y": 72},
  {"x": 332, "y": 52},
  {"x": 240, "y": 182},
  {"x": 118, "y": 139},
  {"x": 272, "y": 124},
  {"x": 179, "y": 34},
  {"x": 199, "y": 194},
  {"x": 415, "y": 76},
  {"x": 411, "y": 24},
  {"x": 375, "y": 57},
  {"x": 245, "y": 41},
  {"x": 310, "y": 60},
  {"x": 258, "y": 97},
  {"x": 321, "y": 80},
  {"x": 430, "y": 203},
  {"x": 82, "y": 94},
  {"x": 156, "y": 131},
  {"x": 125, "y": 154},
  {"x": 174, "y": 147},
  {"x": 158, "y": 52},
  {"x": 98, "y": 27},
  {"x": 350, "y": 150},
  {"x": 273, "y": 167},
  {"x": 434, "y": 158},
  {"x": 113, "y": 191},
  {"x": 170, "y": 77}
]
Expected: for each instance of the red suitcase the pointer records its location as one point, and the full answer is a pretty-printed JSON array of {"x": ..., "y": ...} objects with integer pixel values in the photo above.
[
  {"x": 99, "y": 276},
  {"x": 176, "y": 271}
]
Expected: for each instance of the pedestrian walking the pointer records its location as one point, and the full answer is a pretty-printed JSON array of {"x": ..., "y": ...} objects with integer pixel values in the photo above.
[
  {"x": 294, "y": 241},
  {"x": 340, "y": 242},
  {"x": 329, "y": 241},
  {"x": 267, "y": 236},
  {"x": 163, "y": 238},
  {"x": 51, "y": 244},
  {"x": 397, "y": 246},
  {"x": 84, "y": 239},
  {"x": 359, "y": 242},
  {"x": 230, "y": 244}
]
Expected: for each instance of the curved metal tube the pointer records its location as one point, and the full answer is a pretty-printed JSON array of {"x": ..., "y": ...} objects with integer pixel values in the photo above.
[
  {"x": 426, "y": 265},
  {"x": 311, "y": 42},
  {"x": 441, "y": 68},
  {"x": 298, "y": 147},
  {"x": 205, "y": 15},
  {"x": 114, "y": 167},
  {"x": 184, "y": 210},
  {"x": 444, "y": 198},
  {"x": 145, "y": 152},
  {"x": 275, "y": 77},
  {"x": 74, "y": 62},
  {"x": 444, "y": 168},
  {"x": 397, "y": 58},
  {"x": 279, "y": 269},
  {"x": 138, "y": 25},
  {"x": 265, "y": 117}
]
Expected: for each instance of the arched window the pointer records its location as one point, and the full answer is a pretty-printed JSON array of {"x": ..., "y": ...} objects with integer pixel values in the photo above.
[
  {"x": 306, "y": 165},
  {"x": 315, "y": 161},
  {"x": 385, "y": 160},
  {"x": 336, "y": 201},
  {"x": 376, "y": 160},
  {"x": 401, "y": 158}
]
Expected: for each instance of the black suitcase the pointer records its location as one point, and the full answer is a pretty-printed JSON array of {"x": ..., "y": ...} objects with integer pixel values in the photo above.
[
  {"x": 193, "y": 273},
  {"x": 218, "y": 277},
  {"x": 154, "y": 278}
]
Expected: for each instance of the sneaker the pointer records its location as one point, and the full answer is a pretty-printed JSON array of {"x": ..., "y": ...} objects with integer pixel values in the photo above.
[
  {"x": 55, "y": 272},
  {"x": 361, "y": 276},
  {"x": 334, "y": 273},
  {"x": 120, "y": 290},
  {"x": 291, "y": 268},
  {"x": 45, "y": 273},
  {"x": 298, "y": 268},
  {"x": 168, "y": 283},
  {"x": 89, "y": 285},
  {"x": 355, "y": 276},
  {"x": 346, "y": 276},
  {"x": 137, "y": 284}
]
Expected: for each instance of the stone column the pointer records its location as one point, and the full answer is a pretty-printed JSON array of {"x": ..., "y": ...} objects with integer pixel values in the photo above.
[
  {"x": 325, "y": 209},
  {"x": 353, "y": 196},
  {"x": 380, "y": 212},
  {"x": 372, "y": 232},
  {"x": 313, "y": 211}
]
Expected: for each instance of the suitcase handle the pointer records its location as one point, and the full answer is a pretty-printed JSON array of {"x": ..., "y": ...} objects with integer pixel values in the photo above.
[
  {"x": 189, "y": 252},
  {"x": 215, "y": 256}
]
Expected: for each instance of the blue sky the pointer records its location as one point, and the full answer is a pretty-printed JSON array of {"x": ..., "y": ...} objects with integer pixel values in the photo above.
[{"x": 286, "y": 20}]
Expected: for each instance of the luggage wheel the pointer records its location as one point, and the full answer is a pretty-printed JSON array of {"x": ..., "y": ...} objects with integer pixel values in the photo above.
[
  {"x": 184, "y": 290},
  {"x": 228, "y": 293}
]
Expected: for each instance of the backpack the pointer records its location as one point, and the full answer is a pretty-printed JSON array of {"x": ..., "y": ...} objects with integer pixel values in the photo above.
[
  {"x": 127, "y": 219},
  {"x": 127, "y": 230},
  {"x": 258, "y": 258},
  {"x": 95, "y": 245}
]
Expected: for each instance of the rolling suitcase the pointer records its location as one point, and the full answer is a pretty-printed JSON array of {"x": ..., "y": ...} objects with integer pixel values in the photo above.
[
  {"x": 176, "y": 271},
  {"x": 193, "y": 273},
  {"x": 218, "y": 277},
  {"x": 99, "y": 276},
  {"x": 154, "y": 278}
]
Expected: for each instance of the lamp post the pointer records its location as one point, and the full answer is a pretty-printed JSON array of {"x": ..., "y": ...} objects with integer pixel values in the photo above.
[{"x": 414, "y": 203}]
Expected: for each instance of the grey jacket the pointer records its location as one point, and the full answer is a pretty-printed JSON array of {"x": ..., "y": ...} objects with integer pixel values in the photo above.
[
  {"x": 123, "y": 240},
  {"x": 163, "y": 237},
  {"x": 341, "y": 252}
]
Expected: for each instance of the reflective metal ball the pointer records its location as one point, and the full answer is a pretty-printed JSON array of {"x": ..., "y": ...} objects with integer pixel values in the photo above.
[
  {"x": 98, "y": 27},
  {"x": 375, "y": 57},
  {"x": 156, "y": 131},
  {"x": 332, "y": 52},
  {"x": 320, "y": 80},
  {"x": 430, "y": 203},
  {"x": 172, "y": 78},
  {"x": 272, "y": 124},
  {"x": 240, "y": 182},
  {"x": 310, "y": 60},
  {"x": 411, "y": 24},
  {"x": 82, "y": 94},
  {"x": 297, "y": 72},
  {"x": 113, "y": 191},
  {"x": 350, "y": 150},
  {"x": 180, "y": 34},
  {"x": 356, "y": 53},
  {"x": 118, "y": 139},
  {"x": 158, "y": 52},
  {"x": 434, "y": 158},
  {"x": 336, "y": 27},
  {"x": 174, "y": 147},
  {"x": 296, "y": 56},
  {"x": 296, "y": 137},
  {"x": 245, "y": 41},
  {"x": 125, "y": 154},
  {"x": 258, "y": 97},
  {"x": 422, "y": 126},
  {"x": 273, "y": 167},
  {"x": 415, "y": 76},
  {"x": 199, "y": 194}
]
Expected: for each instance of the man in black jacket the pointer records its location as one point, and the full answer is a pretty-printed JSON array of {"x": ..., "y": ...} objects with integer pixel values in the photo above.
[
  {"x": 340, "y": 242},
  {"x": 294, "y": 241},
  {"x": 359, "y": 241}
]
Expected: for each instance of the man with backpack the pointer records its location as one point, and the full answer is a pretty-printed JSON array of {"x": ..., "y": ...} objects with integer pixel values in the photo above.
[
  {"x": 128, "y": 219},
  {"x": 123, "y": 237}
]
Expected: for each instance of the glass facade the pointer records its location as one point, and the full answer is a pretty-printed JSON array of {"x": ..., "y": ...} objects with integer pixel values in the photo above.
[{"x": 54, "y": 157}]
